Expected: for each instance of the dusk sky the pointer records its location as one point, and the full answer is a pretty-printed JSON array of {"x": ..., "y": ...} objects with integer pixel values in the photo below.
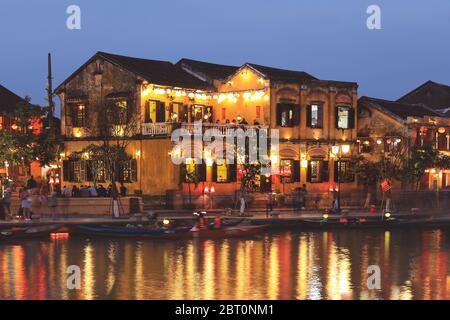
[{"x": 326, "y": 38}]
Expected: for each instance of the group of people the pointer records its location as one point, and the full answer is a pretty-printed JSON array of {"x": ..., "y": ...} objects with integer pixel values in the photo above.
[
  {"x": 26, "y": 194},
  {"x": 91, "y": 191}
]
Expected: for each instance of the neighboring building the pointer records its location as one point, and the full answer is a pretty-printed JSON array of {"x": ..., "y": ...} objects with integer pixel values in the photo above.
[
  {"x": 8, "y": 102},
  {"x": 311, "y": 114},
  {"x": 434, "y": 95},
  {"x": 385, "y": 125}
]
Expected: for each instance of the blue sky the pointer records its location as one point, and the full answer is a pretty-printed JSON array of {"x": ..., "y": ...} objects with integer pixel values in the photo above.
[{"x": 327, "y": 38}]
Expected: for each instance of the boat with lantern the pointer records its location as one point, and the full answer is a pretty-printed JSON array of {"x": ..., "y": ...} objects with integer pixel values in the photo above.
[{"x": 29, "y": 232}]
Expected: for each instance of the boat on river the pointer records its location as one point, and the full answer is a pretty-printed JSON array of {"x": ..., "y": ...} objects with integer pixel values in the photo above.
[
  {"x": 170, "y": 233},
  {"x": 28, "y": 232}
]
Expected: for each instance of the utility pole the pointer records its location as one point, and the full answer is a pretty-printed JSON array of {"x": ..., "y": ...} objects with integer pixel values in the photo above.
[{"x": 51, "y": 105}]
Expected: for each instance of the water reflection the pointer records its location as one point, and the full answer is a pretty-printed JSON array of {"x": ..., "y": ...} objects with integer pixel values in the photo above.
[{"x": 307, "y": 265}]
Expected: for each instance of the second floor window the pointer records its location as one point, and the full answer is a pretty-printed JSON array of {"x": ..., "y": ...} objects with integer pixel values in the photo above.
[
  {"x": 155, "y": 111},
  {"x": 288, "y": 114},
  {"x": 122, "y": 109},
  {"x": 345, "y": 117},
  {"x": 314, "y": 116},
  {"x": 78, "y": 115}
]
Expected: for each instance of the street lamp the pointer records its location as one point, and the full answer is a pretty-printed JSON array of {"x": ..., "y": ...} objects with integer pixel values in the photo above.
[{"x": 339, "y": 152}]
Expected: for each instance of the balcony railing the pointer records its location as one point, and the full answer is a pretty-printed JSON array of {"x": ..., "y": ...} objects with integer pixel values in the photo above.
[
  {"x": 164, "y": 129},
  {"x": 156, "y": 129}
]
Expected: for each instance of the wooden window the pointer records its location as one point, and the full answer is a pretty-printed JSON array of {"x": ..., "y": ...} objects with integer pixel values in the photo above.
[
  {"x": 128, "y": 171},
  {"x": 318, "y": 171},
  {"x": 220, "y": 171},
  {"x": 288, "y": 114},
  {"x": 122, "y": 109},
  {"x": 345, "y": 117},
  {"x": 155, "y": 111},
  {"x": 342, "y": 172},
  {"x": 78, "y": 115},
  {"x": 314, "y": 116},
  {"x": 287, "y": 170}
]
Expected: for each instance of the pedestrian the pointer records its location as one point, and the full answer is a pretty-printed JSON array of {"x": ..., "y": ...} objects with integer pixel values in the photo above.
[
  {"x": 242, "y": 207},
  {"x": 304, "y": 192},
  {"x": 31, "y": 184},
  {"x": 52, "y": 202},
  {"x": 6, "y": 202},
  {"x": 269, "y": 203},
  {"x": 25, "y": 203}
]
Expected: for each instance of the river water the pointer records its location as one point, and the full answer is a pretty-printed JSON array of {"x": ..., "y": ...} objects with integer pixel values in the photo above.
[{"x": 414, "y": 264}]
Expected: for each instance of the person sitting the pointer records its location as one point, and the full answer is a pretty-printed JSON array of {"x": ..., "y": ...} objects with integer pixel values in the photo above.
[
  {"x": 93, "y": 191},
  {"x": 101, "y": 191},
  {"x": 123, "y": 190},
  {"x": 75, "y": 191},
  {"x": 84, "y": 191},
  {"x": 67, "y": 192}
]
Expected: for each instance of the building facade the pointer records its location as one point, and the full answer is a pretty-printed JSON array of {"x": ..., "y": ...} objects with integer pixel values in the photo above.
[{"x": 312, "y": 115}]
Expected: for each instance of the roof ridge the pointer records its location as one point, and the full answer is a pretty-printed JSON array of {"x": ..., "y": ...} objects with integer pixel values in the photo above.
[{"x": 130, "y": 57}]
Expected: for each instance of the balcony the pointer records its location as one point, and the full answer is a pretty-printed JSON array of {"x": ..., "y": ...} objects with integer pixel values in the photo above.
[
  {"x": 157, "y": 129},
  {"x": 226, "y": 130}
]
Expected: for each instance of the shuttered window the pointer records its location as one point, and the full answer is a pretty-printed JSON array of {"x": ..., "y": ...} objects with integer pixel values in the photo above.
[
  {"x": 288, "y": 114},
  {"x": 314, "y": 116},
  {"x": 345, "y": 117}
]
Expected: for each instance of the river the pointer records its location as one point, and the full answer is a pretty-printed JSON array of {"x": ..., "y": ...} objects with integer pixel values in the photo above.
[{"x": 414, "y": 264}]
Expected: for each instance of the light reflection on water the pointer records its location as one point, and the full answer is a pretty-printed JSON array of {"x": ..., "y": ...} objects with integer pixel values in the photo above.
[{"x": 306, "y": 265}]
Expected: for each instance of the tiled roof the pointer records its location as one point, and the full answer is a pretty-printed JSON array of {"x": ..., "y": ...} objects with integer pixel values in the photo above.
[
  {"x": 154, "y": 71},
  {"x": 401, "y": 110},
  {"x": 210, "y": 70},
  {"x": 8, "y": 100},
  {"x": 432, "y": 94},
  {"x": 282, "y": 74}
]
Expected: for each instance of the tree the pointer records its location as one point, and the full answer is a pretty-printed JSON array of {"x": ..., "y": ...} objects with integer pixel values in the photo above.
[
  {"x": 20, "y": 143},
  {"x": 420, "y": 159},
  {"x": 113, "y": 123}
]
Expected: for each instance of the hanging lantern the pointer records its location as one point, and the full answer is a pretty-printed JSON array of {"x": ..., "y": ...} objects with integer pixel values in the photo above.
[{"x": 441, "y": 130}]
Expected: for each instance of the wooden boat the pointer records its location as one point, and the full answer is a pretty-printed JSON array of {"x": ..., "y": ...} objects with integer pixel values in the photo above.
[
  {"x": 28, "y": 232},
  {"x": 173, "y": 233},
  {"x": 132, "y": 232},
  {"x": 356, "y": 223}
]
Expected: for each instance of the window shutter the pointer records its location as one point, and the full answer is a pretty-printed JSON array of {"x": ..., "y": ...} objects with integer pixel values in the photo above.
[
  {"x": 296, "y": 115},
  {"x": 325, "y": 175},
  {"x": 280, "y": 108},
  {"x": 183, "y": 171},
  {"x": 83, "y": 172},
  {"x": 308, "y": 116},
  {"x": 214, "y": 172},
  {"x": 336, "y": 117},
  {"x": 296, "y": 171},
  {"x": 308, "y": 177},
  {"x": 147, "y": 112},
  {"x": 185, "y": 114},
  {"x": 232, "y": 177},
  {"x": 133, "y": 166},
  {"x": 201, "y": 171},
  {"x": 336, "y": 171},
  {"x": 69, "y": 114},
  {"x": 66, "y": 170},
  {"x": 161, "y": 112},
  {"x": 89, "y": 171},
  {"x": 351, "y": 118},
  {"x": 320, "y": 114}
]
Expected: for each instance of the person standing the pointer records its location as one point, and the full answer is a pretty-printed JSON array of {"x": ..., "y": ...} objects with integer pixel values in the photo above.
[
  {"x": 25, "y": 203},
  {"x": 304, "y": 192},
  {"x": 242, "y": 207},
  {"x": 52, "y": 202},
  {"x": 6, "y": 202},
  {"x": 269, "y": 203}
]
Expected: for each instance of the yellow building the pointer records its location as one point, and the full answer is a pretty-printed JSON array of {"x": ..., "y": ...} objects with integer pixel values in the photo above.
[
  {"x": 311, "y": 115},
  {"x": 386, "y": 126}
]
